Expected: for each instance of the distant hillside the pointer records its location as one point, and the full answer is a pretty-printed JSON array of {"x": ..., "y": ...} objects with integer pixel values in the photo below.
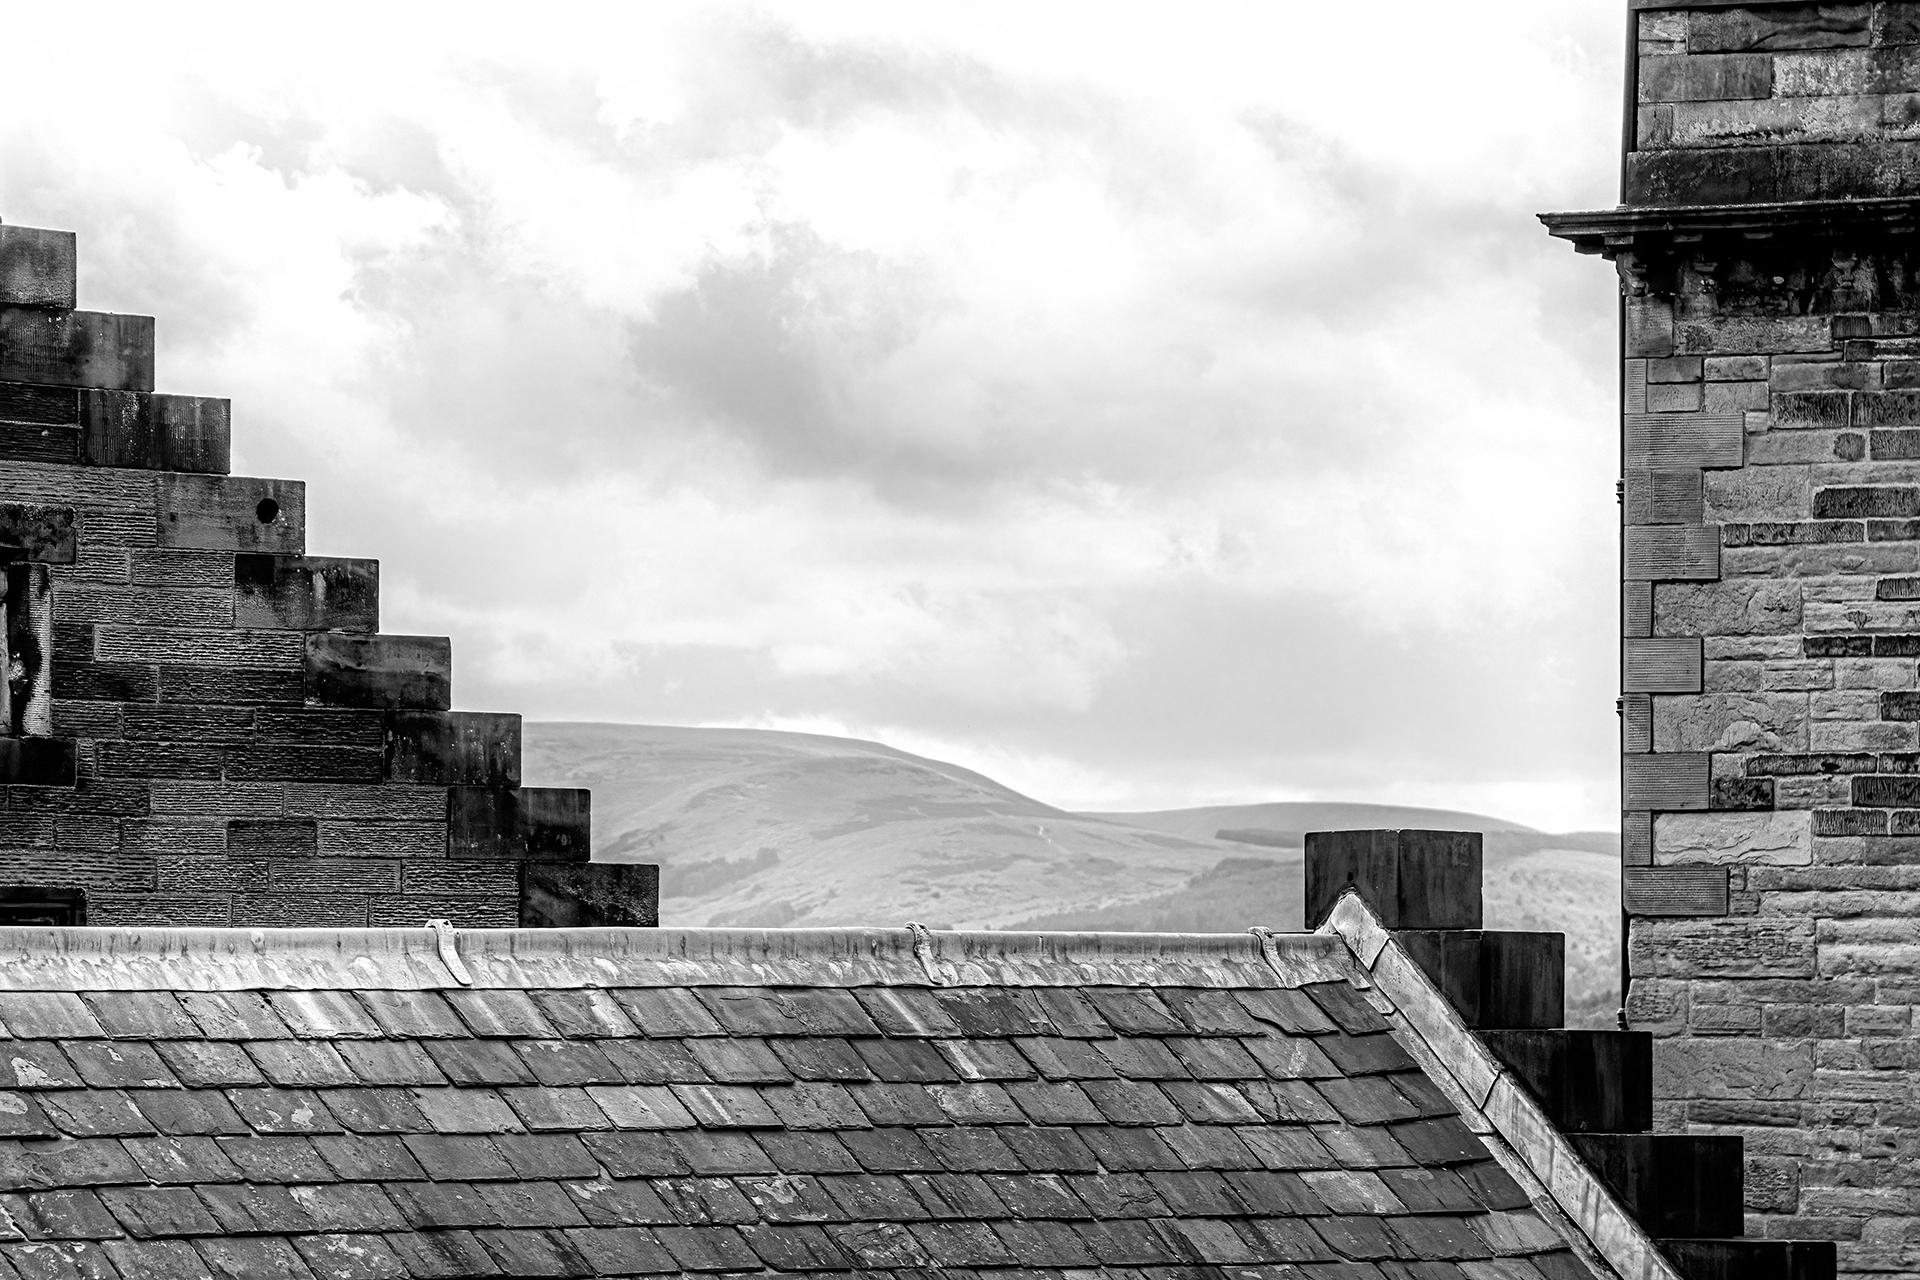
[{"x": 760, "y": 828}]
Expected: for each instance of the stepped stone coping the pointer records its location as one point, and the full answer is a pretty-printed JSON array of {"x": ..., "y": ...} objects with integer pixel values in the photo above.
[
  {"x": 1603, "y": 230},
  {"x": 1494, "y": 1103},
  {"x": 92, "y": 959}
]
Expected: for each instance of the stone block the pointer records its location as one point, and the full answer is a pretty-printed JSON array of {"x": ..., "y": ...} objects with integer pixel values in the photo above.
[
  {"x": 231, "y": 513},
  {"x": 1586, "y": 1081},
  {"x": 1738, "y": 839},
  {"x": 1636, "y": 839},
  {"x": 1665, "y": 441},
  {"x": 1780, "y": 28},
  {"x": 1736, "y": 368},
  {"x": 1665, "y": 781},
  {"x": 1649, "y": 332},
  {"x": 1886, "y": 409},
  {"x": 1675, "y": 397},
  {"x": 1673, "y": 891},
  {"x": 1672, "y": 552},
  {"x": 344, "y": 669},
  {"x": 27, "y": 443},
  {"x": 1705, "y": 78},
  {"x": 1673, "y": 1184},
  {"x": 1765, "y": 123},
  {"x": 37, "y": 762},
  {"x": 1735, "y": 608},
  {"x": 307, "y": 593},
  {"x": 455, "y": 748},
  {"x": 1494, "y": 977},
  {"x": 1727, "y": 947},
  {"x": 1661, "y": 665},
  {"x": 1636, "y": 722},
  {"x": 1731, "y": 722},
  {"x": 1754, "y": 1259},
  {"x": 1636, "y": 609},
  {"x": 271, "y": 838},
  {"x": 37, "y": 533},
  {"x": 542, "y": 824},
  {"x": 159, "y": 432},
  {"x": 37, "y": 268},
  {"x": 582, "y": 895},
  {"x": 76, "y": 349},
  {"x": 1409, "y": 879},
  {"x": 1664, "y": 497}
]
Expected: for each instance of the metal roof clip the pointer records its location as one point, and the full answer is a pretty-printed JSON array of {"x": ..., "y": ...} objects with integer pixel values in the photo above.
[
  {"x": 443, "y": 941},
  {"x": 939, "y": 973}
]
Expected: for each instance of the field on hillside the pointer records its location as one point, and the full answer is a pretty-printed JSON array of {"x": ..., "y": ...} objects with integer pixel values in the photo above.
[{"x": 760, "y": 828}]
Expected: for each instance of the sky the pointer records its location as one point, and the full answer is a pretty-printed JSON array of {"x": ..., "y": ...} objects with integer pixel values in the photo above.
[{"x": 1145, "y": 410}]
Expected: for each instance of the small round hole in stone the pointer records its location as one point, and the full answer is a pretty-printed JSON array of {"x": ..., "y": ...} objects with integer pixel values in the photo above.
[{"x": 268, "y": 511}]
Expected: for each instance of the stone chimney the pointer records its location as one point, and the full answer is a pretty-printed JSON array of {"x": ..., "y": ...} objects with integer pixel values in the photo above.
[{"x": 1770, "y": 619}]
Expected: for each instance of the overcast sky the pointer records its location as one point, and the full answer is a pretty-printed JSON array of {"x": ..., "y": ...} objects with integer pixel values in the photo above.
[{"x": 1147, "y": 405}]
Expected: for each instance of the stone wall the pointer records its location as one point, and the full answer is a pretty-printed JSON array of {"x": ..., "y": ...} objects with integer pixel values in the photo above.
[
  {"x": 1771, "y": 600},
  {"x": 205, "y": 725}
]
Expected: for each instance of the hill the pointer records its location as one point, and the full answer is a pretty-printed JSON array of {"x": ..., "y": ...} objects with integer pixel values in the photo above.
[{"x": 763, "y": 828}]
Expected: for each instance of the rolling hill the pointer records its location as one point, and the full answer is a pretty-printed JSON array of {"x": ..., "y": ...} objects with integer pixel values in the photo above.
[{"x": 762, "y": 828}]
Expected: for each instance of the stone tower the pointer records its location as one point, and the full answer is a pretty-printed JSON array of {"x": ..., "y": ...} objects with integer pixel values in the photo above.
[
  {"x": 1770, "y": 620},
  {"x": 203, "y": 724}
]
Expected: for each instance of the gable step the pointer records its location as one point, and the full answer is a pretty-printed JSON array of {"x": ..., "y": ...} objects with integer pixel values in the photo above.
[
  {"x": 1586, "y": 1081},
  {"x": 1495, "y": 977},
  {"x": 1753, "y": 1259},
  {"x": 1674, "y": 1184}
]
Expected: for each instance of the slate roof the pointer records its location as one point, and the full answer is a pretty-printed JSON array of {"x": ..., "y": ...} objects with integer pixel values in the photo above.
[{"x": 652, "y": 1102}]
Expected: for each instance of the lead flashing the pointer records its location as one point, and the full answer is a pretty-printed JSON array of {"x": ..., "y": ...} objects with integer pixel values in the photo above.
[{"x": 107, "y": 959}]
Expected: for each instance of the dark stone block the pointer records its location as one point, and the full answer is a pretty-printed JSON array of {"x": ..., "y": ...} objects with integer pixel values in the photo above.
[
  {"x": 1753, "y": 1259},
  {"x": 76, "y": 349},
  {"x": 453, "y": 748},
  {"x": 1586, "y": 1081},
  {"x": 1876, "y": 792},
  {"x": 37, "y": 268},
  {"x": 1741, "y": 794},
  {"x": 1674, "y": 891},
  {"x": 106, "y": 681},
  {"x": 43, "y": 534},
  {"x": 24, "y": 442},
  {"x": 161, "y": 432},
  {"x": 38, "y": 762},
  {"x": 272, "y": 838},
  {"x": 581, "y": 895},
  {"x": 1859, "y": 501},
  {"x": 307, "y": 593},
  {"x": 1495, "y": 978},
  {"x": 379, "y": 670},
  {"x": 1409, "y": 879},
  {"x": 1779, "y": 27},
  {"x": 551, "y": 824},
  {"x": 1674, "y": 1184},
  {"x": 42, "y": 406},
  {"x": 225, "y": 685},
  {"x": 231, "y": 513},
  {"x": 299, "y": 762},
  {"x": 59, "y": 908}
]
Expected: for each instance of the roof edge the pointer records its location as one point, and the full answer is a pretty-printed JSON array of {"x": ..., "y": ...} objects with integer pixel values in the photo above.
[
  {"x": 1496, "y": 1105},
  {"x": 96, "y": 959}
]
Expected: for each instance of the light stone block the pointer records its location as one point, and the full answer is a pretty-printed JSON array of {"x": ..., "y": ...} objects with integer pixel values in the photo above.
[
  {"x": 1727, "y": 839},
  {"x": 1725, "y": 608},
  {"x": 1776, "y": 722},
  {"x": 1874, "y": 673},
  {"x": 1732, "y": 1067},
  {"x": 1759, "y": 493}
]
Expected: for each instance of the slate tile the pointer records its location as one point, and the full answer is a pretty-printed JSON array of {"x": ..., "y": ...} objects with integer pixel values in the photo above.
[
  {"x": 78, "y": 1113},
  {"x": 498, "y": 1014},
  {"x": 1291, "y": 1058},
  {"x": 880, "y": 1244},
  {"x": 534, "y": 1253},
  {"x": 708, "y": 1248},
  {"x": 890, "y": 1150},
  {"x": 1424, "y": 1094},
  {"x": 1214, "y": 1058},
  {"x": 1492, "y": 1186},
  {"x": 170, "y": 1160},
  {"x": 584, "y": 1013},
  {"x": 806, "y": 1152},
  {"x": 262, "y": 1258},
  {"x": 1285, "y": 1010},
  {"x": 348, "y": 1206},
  {"x": 1430, "y": 1190},
  {"x": 1450, "y": 1238},
  {"x": 1365, "y": 1055},
  {"x": 187, "y": 1111},
  {"x": 140, "y": 1015},
  {"x": 1069, "y": 1013},
  {"x": 992, "y": 1012},
  {"x": 478, "y": 1061},
  {"x": 955, "y": 1195},
  {"x": 739, "y": 1061},
  {"x": 1045, "y": 1195},
  {"x": 155, "y": 1259},
  {"x": 1054, "y": 1102},
  {"x": 1129, "y": 1102},
  {"x": 1366, "y": 1099},
  {"x": 619, "y": 1250},
  {"x": 911, "y": 1060},
  {"x": 970, "y": 1149},
  {"x": 369, "y": 1157},
  {"x": 607, "y": 1203},
  {"x": 1272, "y": 1193},
  {"x": 323, "y": 1015},
  {"x": 1214, "y": 1241},
  {"x": 653, "y": 1061},
  {"x": 299, "y": 1064},
  {"x": 457, "y": 1157},
  {"x": 985, "y": 1060},
  {"x": 1140, "y": 1059},
  {"x": 642, "y": 1106},
  {"x": 275, "y": 1158},
  {"x": 1286, "y": 1146},
  {"x": 718, "y": 1154},
  {"x": 412, "y": 1015},
  {"x": 819, "y": 1058},
  {"x": 350, "y": 1257},
  {"x": 1049, "y": 1150},
  {"x": 1210, "y": 1102},
  {"x": 442, "y": 1255},
  {"x": 874, "y": 1199},
  {"x": 432, "y": 1206},
  {"x": 209, "y": 1064},
  {"x": 81, "y": 1260},
  {"x": 1218, "y": 1147},
  {"x": 568, "y": 1110},
  {"x": 568, "y": 1062},
  {"x": 40, "y": 1064},
  {"x": 76, "y": 1214},
  {"x": 671, "y": 1012},
  {"x": 1058, "y": 1058},
  {"x": 961, "y": 1244},
  {"x": 1362, "y": 1146},
  {"x": 1048, "y": 1244},
  {"x": 1443, "y": 1141},
  {"x": 1286, "y": 1101},
  {"x": 818, "y": 1105},
  {"x": 1294, "y": 1240},
  {"x": 233, "y": 1015},
  {"x": 708, "y": 1200},
  {"x": 531, "y": 1203},
  {"x": 1134, "y": 1012},
  {"x": 1191, "y": 1193},
  {"x": 1128, "y": 1243},
  {"x": 159, "y": 1211},
  {"x": 796, "y": 1248},
  {"x": 47, "y": 1015},
  {"x": 787, "y": 1198},
  {"x": 119, "y": 1064},
  {"x": 1130, "y": 1149},
  {"x": 906, "y": 1011},
  {"x": 389, "y": 1062},
  {"x": 1348, "y": 1191},
  {"x": 751, "y": 1011},
  {"x": 1355, "y": 1238},
  {"x": 373, "y": 1110},
  {"x": 828, "y": 1011},
  {"x": 1209, "y": 1012},
  {"x": 1346, "y": 1007}
]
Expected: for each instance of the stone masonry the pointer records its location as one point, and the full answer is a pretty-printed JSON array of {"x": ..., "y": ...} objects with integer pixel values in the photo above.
[
  {"x": 1767, "y": 254},
  {"x": 204, "y": 724}
]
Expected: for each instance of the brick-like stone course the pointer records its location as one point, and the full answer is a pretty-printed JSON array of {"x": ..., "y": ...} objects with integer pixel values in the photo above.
[{"x": 217, "y": 732}]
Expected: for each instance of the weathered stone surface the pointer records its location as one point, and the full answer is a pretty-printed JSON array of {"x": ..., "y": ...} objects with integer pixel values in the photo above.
[
  {"x": 1672, "y": 552},
  {"x": 562, "y": 895},
  {"x": 1731, "y": 722},
  {"x": 1732, "y": 1067},
  {"x": 231, "y": 513},
  {"x": 76, "y": 349},
  {"x": 1783, "y": 27},
  {"x": 379, "y": 670},
  {"x": 1752, "y": 947},
  {"x": 307, "y": 593},
  {"x": 1758, "y": 493},
  {"x": 43, "y": 534},
  {"x": 1734, "y": 838},
  {"x": 37, "y": 268},
  {"x": 1741, "y": 607}
]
